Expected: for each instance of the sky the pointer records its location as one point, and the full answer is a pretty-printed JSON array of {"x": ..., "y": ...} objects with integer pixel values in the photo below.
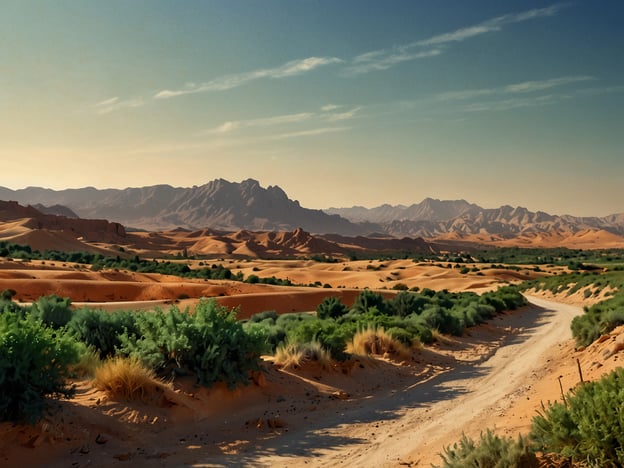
[{"x": 340, "y": 103}]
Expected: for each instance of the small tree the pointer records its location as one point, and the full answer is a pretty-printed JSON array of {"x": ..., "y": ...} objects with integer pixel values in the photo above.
[{"x": 331, "y": 307}]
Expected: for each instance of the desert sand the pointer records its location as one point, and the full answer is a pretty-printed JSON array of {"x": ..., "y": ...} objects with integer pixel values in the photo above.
[{"x": 370, "y": 412}]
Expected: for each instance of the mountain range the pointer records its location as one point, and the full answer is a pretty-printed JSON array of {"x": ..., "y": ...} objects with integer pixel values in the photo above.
[
  {"x": 219, "y": 204},
  {"x": 231, "y": 206}
]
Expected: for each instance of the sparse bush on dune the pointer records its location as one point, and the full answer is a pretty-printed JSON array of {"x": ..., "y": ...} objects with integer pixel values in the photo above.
[
  {"x": 586, "y": 429},
  {"x": 589, "y": 426},
  {"x": 378, "y": 342},
  {"x": 128, "y": 379},
  {"x": 490, "y": 451},
  {"x": 598, "y": 319},
  {"x": 296, "y": 355}
]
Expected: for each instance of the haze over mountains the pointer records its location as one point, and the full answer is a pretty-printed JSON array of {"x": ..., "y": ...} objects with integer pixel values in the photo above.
[{"x": 231, "y": 206}]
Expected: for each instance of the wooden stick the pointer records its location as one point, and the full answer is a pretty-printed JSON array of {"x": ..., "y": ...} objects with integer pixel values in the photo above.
[
  {"x": 578, "y": 364},
  {"x": 561, "y": 388}
]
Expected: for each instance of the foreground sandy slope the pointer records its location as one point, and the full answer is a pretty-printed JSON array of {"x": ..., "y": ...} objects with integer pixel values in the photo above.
[
  {"x": 412, "y": 424},
  {"x": 371, "y": 413}
]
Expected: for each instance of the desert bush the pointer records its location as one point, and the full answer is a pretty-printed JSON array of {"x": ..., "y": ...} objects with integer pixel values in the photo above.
[
  {"x": 53, "y": 310},
  {"x": 490, "y": 451},
  {"x": 262, "y": 316},
  {"x": 331, "y": 307},
  {"x": 443, "y": 320},
  {"x": 211, "y": 344},
  {"x": 35, "y": 361},
  {"x": 8, "y": 305},
  {"x": 367, "y": 299},
  {"x": 405, "y": 303},
  {"x": 405, "y": 337},
  {"x": 331, "y": 335},
  {"x": 588, "y": 426},
  {"x": 295, "y": 355},
  {"x": 102, "y": 330},
  {"x": 599, "y": 319},
  {"x": 378, "y": 342},
  {"x": 128, "y": 379}
]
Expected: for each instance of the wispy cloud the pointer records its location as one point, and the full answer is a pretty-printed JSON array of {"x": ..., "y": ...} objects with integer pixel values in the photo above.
[
  {"x": 286, "y": 120},
  {"x": 523, "y": 94},
  {"x": 383, "y": 59},
  {"x": 223, "y": 83},
  {"x": 491, "y": 25},
  {"x": 109, "y": 105},
  {"x": 330, "y": 107},
  {"x": 515, "y": 88},
  {"x": 515, "y": 103},
  {"x": 342, "y": 115},
  {"x": 230, "y": 126},
  {"x": 521, "y": 98},
  {"x": 310, "y": 132}
]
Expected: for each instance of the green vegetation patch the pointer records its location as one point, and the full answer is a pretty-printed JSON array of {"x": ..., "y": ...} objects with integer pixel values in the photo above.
[
  {"x": 598, "y": 319},
  {"x": 35, "y": 362},
  {"x": 408, "y": 316},
  {"x": 588, "y": 427}
]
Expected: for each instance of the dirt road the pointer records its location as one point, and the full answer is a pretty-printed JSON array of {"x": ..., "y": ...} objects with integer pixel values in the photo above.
[{"x": 409, "y": 426}]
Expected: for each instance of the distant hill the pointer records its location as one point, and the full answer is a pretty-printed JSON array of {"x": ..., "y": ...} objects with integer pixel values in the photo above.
[
  {"x": 434, "y": 218},
  {"x": 58, "y": 210},
  {"x": 27, "y": 225},
  {"x": 230, "y": 206},
  {"x": 219, "y": 204}
]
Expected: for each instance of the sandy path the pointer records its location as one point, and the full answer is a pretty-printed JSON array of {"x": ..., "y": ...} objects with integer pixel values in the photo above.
[{"x": 410, "y": 425}]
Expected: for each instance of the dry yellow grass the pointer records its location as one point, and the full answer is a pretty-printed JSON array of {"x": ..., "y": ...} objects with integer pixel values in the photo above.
[
  {"x": 378, "y": 342},
  {"x": 89, "y": 362},
  {"x": 293, "y": 355},
  {"x": 129, "y": 379}
]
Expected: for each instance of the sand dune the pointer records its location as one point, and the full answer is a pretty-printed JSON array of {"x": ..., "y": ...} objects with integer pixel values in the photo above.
[
  {"x": 372, "y": 412},
  {"x": 33, "y": 279}
]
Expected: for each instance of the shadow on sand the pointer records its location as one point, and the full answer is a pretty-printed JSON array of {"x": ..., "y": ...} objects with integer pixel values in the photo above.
[{"x": 320, "y": 436}]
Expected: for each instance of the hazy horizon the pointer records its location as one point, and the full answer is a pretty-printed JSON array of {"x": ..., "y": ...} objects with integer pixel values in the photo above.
[{"x": 338, "y": 103}]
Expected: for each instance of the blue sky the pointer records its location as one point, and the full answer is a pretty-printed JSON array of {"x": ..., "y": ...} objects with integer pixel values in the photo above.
[{"x": 340, "y": 103}]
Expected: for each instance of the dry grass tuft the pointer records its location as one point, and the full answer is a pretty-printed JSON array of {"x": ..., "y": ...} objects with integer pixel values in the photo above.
[
  {"x": 378, "y": 342},
  {"x": 88, "y": 364},
  {"x": 294, "y": 355},
  {"x": 129, "y": 379},
  {"x": 440, "y": 337}
]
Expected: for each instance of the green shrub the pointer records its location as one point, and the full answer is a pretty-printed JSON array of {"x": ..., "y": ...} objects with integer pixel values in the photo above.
[
  {"x": 589, "y": 427},
  {"x": 331, "y": 307},
  {"x": 34, "y": 364},
  {"x": 402, "y": 335},
  {"x": 490, "y": 451},
  {"x": 262, "y": 316},
  {"x": 102, "y": 330},
  {"x": 53, "y": 310},
  {"x": 211, "y": 344},
  {"x": 367, "y": 299},
  {"x": 441, "y": 319},
  {"x": 331, "y": 336}
]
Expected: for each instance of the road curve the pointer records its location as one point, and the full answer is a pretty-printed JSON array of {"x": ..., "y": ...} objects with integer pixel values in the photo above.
[{"x": 416, "y": 422}]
